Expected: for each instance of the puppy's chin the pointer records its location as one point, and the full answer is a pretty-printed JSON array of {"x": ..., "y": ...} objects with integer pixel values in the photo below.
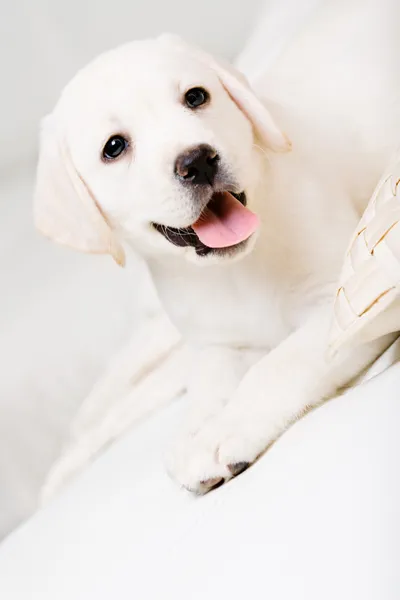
[
  {"x": 222, "y": 255},
  {"x": 160, "y": 250},
  {"x": 222, "y": 231},
  {"x": 225, "y": 218}
]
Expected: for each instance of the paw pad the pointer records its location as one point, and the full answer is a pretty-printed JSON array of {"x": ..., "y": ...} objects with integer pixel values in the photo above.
[
  {"x": 239, "y": 467},
  {"x": 210, "y": 484}
]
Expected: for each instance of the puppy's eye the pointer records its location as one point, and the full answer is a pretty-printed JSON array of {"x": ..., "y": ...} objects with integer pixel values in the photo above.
[
  {"x": 115, "y": 146},
  {"x": 196, "y": 97}
]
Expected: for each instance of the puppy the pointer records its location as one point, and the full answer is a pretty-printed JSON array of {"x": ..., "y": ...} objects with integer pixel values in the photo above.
[{"x": 242, "y": 206}]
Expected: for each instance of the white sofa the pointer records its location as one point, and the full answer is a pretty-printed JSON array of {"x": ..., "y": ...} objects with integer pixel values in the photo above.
[{"x": 316, "y": 517}]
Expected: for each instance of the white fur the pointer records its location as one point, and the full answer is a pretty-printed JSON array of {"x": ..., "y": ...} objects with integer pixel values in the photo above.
[{"x": 256, "y": 322}]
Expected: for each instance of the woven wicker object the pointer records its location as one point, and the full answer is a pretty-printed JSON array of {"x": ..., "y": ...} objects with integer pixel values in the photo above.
[{"x": 368, "y": 299}]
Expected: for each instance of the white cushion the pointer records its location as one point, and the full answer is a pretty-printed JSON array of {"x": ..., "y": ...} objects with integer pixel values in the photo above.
[{"x": 316, "y": 517}]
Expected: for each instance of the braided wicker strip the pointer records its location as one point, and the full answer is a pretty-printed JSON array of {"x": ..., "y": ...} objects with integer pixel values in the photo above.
[{"x": 370, "y": 279}]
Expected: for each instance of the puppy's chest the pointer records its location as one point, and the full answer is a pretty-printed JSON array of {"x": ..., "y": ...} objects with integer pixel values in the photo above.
[{"x": 222, "y": 306}]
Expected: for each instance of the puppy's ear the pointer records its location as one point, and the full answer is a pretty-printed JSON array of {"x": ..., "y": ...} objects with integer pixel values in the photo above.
[
  {"x": 241, "y": 93},
  {"x": 64, "y": 207},
  {"x": 239, "y": 90}
]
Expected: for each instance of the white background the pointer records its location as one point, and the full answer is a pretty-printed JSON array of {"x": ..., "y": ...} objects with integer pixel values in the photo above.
[{"x": 44, "y": 42}]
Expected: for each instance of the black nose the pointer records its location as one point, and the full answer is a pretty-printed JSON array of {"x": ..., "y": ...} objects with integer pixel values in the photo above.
[{"x": 198, "y": 165}]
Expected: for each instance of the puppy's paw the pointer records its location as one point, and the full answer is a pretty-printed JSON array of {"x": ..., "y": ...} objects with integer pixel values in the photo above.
[{"x": 223, "y": 448}]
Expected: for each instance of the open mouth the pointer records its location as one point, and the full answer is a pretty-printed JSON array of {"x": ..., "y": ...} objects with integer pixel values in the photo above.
[{"x": 224, "y": 223}]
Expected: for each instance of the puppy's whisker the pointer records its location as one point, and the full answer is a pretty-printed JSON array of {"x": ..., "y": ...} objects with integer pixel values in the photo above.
[
  {"x": 170, "y": 232},
  {"x": 235, "y": 189},
  {"x": 203, "y": 216}
]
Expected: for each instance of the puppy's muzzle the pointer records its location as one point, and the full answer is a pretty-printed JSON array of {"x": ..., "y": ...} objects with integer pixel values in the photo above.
[{"x": 197, "y": 166}]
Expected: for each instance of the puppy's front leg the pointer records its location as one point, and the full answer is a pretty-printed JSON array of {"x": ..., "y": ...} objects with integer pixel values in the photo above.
[
  {"x": 214, "y": 375},
  {"x": 276, "y": 391},
  {"x": 145, "y": 374}
]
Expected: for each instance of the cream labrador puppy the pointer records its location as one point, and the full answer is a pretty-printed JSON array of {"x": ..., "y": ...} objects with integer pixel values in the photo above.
[{"x": 241, "y": 201}]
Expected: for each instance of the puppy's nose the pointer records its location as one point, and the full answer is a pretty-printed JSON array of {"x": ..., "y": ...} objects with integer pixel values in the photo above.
[{"x": 198, "y": 165}]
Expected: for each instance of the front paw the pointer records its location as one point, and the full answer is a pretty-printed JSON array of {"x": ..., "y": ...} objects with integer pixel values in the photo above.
[{"x": 221, "y": 449}]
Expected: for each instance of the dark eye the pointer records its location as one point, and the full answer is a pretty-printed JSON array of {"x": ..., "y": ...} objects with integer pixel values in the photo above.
[
  {"x": 196, "y": 97},
  {"x": 115, "y": 146}
]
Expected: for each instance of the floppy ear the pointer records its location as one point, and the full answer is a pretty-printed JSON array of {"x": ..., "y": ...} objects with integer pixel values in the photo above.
[
  {"x": 238, "y": 88},
  {"x": 64, "y": 207}
]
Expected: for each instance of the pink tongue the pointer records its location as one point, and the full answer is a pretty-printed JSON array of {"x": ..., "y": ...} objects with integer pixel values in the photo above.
[{"x": 227, "y": 223}]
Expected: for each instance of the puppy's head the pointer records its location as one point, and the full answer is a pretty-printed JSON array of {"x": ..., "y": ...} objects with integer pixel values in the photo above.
[{"x": 157, "y": 144}]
